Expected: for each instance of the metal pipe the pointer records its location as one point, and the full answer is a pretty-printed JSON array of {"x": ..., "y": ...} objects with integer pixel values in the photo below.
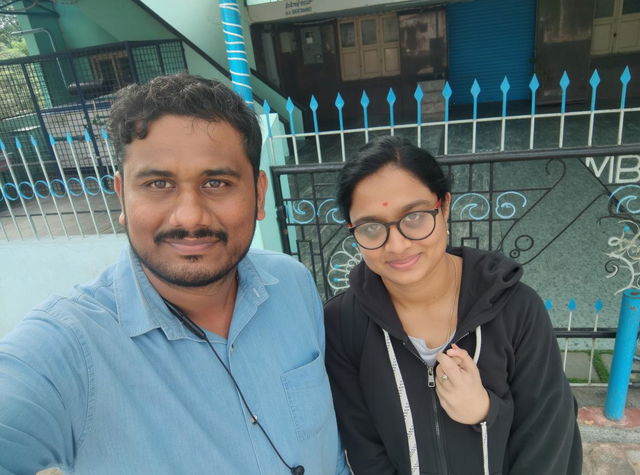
[
  {"x": 623, "y": 352},
  {"x": 236, "y": 53},
  {"x": 53, "y": 45}
]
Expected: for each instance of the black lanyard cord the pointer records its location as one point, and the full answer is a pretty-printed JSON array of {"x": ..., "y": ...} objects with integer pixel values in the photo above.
[{"x": 199, "y": 333}]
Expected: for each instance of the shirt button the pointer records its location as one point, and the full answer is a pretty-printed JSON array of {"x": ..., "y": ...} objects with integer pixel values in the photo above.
[{"x": 232, "y": 348}]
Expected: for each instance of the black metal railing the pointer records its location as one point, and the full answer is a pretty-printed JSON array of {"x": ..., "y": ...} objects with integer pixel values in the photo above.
[{"x": 50, "y": 96}]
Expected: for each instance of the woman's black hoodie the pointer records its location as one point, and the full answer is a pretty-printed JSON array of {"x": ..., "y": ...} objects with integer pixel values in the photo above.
[{"x": 531, "y": 425}]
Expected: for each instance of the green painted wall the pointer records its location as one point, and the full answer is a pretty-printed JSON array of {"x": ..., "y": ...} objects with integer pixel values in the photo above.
[
  {"x": 39, "y": 43},
  {"x": 52, "y": 74},
  {"x": 79, "y": 30},
  {"x": 95, "y": 22},
  {"x": 200, "y": 66},
  {"x": 199, "y": 21}
]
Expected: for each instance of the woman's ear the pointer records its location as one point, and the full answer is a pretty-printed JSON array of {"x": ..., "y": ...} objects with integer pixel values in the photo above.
[{"x": 446, "y": 206}]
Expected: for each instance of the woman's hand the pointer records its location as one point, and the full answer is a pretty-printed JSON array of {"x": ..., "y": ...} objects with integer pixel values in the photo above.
[{"x": 461, "y": 392}]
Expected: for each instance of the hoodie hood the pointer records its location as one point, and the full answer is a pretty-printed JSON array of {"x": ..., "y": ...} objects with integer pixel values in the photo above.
[{"x": 488, "y": 280}]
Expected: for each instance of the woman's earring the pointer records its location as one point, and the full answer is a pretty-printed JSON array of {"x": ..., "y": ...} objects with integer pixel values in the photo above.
[{"x": 448, "y": 232}]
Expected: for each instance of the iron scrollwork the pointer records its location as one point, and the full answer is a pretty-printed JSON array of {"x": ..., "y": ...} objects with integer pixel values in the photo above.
[
  {"x": 478, "y": 207},
  {"x": 625, "y": 254},
  {"x": 341, "y": 263},
  {"x": 305, "y": 212}
]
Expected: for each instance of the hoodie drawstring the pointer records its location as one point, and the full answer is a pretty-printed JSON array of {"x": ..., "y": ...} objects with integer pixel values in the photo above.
[
  {"x": 483, "y": 424},
  {"x": 485, "y": 448},
  {"x": 406, "y": 408},
  {"x": 476, "y": 354}
]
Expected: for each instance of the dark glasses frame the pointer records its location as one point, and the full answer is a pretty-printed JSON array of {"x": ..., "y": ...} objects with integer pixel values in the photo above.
[{"x": 433, "y": 212}]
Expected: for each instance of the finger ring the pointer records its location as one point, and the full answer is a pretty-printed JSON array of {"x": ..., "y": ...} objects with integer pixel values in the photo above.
[{"x": 444, "y": 377}]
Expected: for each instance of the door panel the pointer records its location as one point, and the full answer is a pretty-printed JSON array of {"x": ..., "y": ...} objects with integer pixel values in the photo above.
[
  {"x": 602, "y": 34},
  {"x": 370, "y": 63},
  {"x": 391, "y": 61},
  {"x": 628, "y": 35},
  {"x": 350, "y": 65}
]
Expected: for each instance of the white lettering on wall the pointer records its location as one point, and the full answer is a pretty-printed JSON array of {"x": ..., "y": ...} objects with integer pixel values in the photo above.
[
  {"x": 619, "y": 169},
  {"x": 629, "y": 173}
]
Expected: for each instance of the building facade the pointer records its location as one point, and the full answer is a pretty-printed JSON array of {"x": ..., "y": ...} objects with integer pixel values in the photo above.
[{"x": 320, "y": 47}]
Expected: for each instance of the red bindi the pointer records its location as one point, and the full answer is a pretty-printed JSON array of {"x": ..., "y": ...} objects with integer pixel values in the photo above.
[{"x": 385, "y": 204}]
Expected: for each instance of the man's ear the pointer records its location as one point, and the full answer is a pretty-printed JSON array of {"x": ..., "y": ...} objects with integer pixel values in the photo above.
[
  {"x": 261, "y": 189},
  {"x": 118, "y": 186}
]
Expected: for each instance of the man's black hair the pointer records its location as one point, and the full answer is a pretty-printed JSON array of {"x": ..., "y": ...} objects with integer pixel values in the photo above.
[
  {"x": 138, "y": 105},
  {"x": 389, "y": 150}
]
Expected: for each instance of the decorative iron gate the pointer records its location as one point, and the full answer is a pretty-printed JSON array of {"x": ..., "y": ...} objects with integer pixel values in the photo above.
[
  {"x": 554, "y": 189},
  {"x": 520, "y": 203}
]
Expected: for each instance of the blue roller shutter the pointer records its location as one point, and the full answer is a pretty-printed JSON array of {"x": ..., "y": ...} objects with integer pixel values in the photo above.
[{"x": 489, "y": 39}]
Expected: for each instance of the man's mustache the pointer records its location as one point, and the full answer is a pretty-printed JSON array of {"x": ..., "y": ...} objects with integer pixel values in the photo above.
[{"x": 197, "y": 234}]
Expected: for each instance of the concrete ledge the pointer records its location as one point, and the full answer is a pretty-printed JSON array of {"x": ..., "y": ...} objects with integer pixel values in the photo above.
[{"x": 591, "y": 416}]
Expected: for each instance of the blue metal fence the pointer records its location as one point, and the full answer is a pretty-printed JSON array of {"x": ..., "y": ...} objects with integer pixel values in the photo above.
[
  {"x": 536, "y": 140},
  {"x": 70, "y": 195}
]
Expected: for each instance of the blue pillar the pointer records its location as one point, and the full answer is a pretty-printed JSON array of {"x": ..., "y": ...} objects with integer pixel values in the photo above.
[
  {"x": 623, "y": 352},
  {"x": 236, "y": 54}
]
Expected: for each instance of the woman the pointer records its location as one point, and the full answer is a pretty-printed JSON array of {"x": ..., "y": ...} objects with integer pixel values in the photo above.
[{"x": 440, "y": 359}]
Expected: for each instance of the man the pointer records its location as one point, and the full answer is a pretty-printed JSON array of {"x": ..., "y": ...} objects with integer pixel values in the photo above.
[{"x": 190, "y": 355}]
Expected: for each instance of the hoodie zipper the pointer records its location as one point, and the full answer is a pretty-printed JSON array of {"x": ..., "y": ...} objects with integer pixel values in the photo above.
[
  {"x": 431, "y": 380},
  {"x": 431, "y": 383}
]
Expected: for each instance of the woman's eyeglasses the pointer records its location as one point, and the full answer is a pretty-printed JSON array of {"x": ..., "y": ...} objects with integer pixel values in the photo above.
[{"x": 415, "y": 226}]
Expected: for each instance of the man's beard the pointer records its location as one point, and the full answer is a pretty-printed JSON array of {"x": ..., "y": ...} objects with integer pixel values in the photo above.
[{"x": 194, "y": 278}]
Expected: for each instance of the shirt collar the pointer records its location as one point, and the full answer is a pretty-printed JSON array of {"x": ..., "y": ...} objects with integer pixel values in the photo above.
[{"x": 141, "y": 309}]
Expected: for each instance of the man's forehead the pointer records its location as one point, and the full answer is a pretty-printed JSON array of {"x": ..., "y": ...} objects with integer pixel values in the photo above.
[
  {"x": 182, "y": 140},
  {"x": 155, "y": 171},
  {"x": 171, "y": 165}
]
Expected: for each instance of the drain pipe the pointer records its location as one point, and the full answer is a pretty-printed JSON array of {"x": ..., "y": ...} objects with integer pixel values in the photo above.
[
  {"x": 236, "y": 53},
  {"x": 623, "y": 352}
]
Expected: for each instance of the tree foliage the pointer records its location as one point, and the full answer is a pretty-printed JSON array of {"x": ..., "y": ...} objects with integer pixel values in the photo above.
[
  {"x": 11, "y": 46},
  {"x": 13, "y": 100}
]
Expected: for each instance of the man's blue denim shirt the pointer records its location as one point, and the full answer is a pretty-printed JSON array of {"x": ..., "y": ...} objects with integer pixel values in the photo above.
[{"x": 108, "y": 381}]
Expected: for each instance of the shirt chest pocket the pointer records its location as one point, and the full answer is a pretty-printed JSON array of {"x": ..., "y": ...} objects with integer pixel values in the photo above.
[{"x": 309, "y": 397}]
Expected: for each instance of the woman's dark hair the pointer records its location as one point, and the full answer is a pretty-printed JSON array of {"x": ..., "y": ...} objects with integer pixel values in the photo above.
[
  {"x": 388, "y": 150},
  {"x": 138, "y": 105}
]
